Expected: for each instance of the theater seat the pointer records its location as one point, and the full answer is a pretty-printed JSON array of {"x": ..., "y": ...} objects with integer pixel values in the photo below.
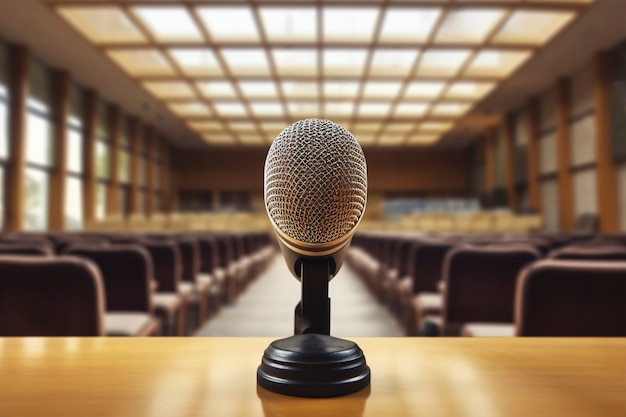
[
  {"x": 130, "y": 324},
  {"x": 61, "y": 296},
  {"x": 127, "y": 273},
  {"x": 590, "y": 253},
  {"x": 488, "y": 330},
  {"x": 572, "y": 298},
  {"x": 481, "y": 283},
  {"x": 169, "y": 302}
]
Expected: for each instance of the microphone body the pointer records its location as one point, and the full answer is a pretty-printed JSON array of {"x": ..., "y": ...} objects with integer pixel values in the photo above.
[{"x": 315, "y": 187}]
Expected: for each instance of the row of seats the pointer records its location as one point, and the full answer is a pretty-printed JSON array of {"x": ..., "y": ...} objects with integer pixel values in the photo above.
[
  {"x": 497, "y": 285},
  {"x": 475, "y": 222},
  {"x": 123, "y": 284},
  {"x": 184, "y": 221}
]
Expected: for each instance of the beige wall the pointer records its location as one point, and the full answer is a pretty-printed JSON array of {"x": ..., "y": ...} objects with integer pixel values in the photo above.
[{"x": 389, "y": 170}]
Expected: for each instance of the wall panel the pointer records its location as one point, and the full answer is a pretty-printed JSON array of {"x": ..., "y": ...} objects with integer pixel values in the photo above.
[
  {"x": 621, "y": 186},
  {"x": 406, "y": 170},
  {"x": 550, "y": 205},
  {"x": 581, "y": 91},
  {"x": 547, "y": 111},
  {"x": 583, "y": 140},
  {"x": 585, "y": 187},
  {"x": 547, "y": 153}
]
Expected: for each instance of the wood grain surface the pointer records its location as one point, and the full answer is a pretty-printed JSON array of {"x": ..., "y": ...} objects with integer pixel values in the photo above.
[{"x": 90, "y": 377}]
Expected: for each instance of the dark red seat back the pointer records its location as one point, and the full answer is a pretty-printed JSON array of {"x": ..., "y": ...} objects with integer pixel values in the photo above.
[
  {"x": 572, "y": 298},
  {"x": 481, "y": 282},
  {"x": 60, "y": 296},
  {"x": 126, "y": 271}
]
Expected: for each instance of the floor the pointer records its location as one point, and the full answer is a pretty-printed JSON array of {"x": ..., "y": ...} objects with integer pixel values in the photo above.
[{"x": 266, "y": 308}]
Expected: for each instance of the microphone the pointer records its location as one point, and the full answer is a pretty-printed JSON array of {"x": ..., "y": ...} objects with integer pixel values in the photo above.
[{"x": 315, "y": 187}]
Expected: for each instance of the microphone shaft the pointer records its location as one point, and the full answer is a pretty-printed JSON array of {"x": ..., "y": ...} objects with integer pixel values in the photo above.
[{"x": 313, "y": 311}]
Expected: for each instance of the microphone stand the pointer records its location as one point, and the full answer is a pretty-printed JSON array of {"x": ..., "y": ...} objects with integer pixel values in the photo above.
[
  {"x": 313, "y": 311},
  {"x": 312, "y": 363}
]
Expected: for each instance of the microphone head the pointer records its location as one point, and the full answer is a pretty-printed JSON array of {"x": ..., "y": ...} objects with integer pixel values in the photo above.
[{"x": 315, "y": 187}]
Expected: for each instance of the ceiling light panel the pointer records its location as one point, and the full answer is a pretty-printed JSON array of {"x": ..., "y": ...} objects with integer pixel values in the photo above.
[
  {"x": 532, "y": 26},
  {"x": 442, "y": 62},
  {"x": 267, "y": 109},
  {"x": 229, "y": 24},
  {"x": 242, "y": 62},
  {"x": 366, "y": 138},
  {"x": 408, "y": 25},
  {"x": 219, "y": 139},
  {"x": 169, "y": 24},
  {"x": 468, "y": 26},
  {"x": 217, "y": 89},
  {"x": 450, "y": 109},
  {"x": 344, "y": 61},
  {"x": 196, "y": 62},
  {"x": 230, "y": 109},
  {"x": 397, "y": 127},
  {"x": 435, "y": 126},
  {"x": 496, "y": 63},
  {"x": 382, "y": 89},
  {"x": 300, "y": 89},
  {"x": 423, "y": 89},
  {"x": 242, "y": 127},
  {"x": 387, "y": 139},
  {"x": 295, "y": 61},
  {"x": 422, "y": 139},
  {"x": 169, "y": 89},
  {"x": 411, "y": 110},
  {"x": 304, "y": 109},
  {"x": 248, "y": 139},
  {"x": 273, "y": 128},
  {"x": 103, "y": 24},
  {"x": 141, "y": 62},
  {"x": 367, "y": 127},
  {"x": 341, "y": 109},
  {"x": 289, "y": 24},
  {"x": 341, "y": 89},
  {"x": 201, "y": 126},
  {"x": 392, "y": 62},
  {"x": 349, "y": 24},
  {"x": 257, "y": 89},
  {"x": 190, "y": 109},
  {"x": 379, "y": 110},
  {"x": 469, "y": 90}
]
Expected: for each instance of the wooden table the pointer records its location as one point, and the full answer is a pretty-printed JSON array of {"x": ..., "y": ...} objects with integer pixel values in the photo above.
[{"x": 173, "y": 377}]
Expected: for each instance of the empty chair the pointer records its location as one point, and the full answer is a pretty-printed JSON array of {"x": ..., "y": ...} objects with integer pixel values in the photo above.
[
  {"x": 127, "y": 272},
  {"x": 60, "y": 296},
  {"x": 169, "y": 302},
  {"x": 210, "y": 274},
  {"x": 25, "y": 248},
  {"x": 572, "y": 298},
  {"x": 195, "y": 292},
  {"x": 65, "y": 242},
  {"x": 425, "y": 269},
  {"x": 480, "y": 284},
  {"x": 590, "y": 253}
]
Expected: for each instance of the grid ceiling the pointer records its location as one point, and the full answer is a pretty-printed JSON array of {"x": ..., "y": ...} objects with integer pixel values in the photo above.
[{"x": 392, "y": 72}]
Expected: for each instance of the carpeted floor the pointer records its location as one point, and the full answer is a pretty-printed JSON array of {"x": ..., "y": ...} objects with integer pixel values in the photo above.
[{"x": 266, "y": 308}]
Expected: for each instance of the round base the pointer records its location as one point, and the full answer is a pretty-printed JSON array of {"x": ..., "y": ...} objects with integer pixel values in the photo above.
[{"x": 313, "y": 365}]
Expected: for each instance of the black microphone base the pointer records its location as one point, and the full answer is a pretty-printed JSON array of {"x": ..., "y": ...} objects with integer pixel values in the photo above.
[{"x": 313, "y": 365}]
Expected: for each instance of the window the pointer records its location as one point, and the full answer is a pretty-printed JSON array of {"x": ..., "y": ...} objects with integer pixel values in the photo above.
[
  {"x": 103, "y": 149},
  {"x": 4, "y": 116},
  {"x": 101, "y": 200},
  {"x": 4, "y": 122},
  {"x": 73, "y": 203},
  {"x": 39, "y": 147},
  {"x": 73, "y": 181},
  {"x": 36, "y": 195}
]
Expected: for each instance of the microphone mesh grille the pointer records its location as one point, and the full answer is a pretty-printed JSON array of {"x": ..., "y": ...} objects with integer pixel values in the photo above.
[{"x": 315, "y": 181}]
